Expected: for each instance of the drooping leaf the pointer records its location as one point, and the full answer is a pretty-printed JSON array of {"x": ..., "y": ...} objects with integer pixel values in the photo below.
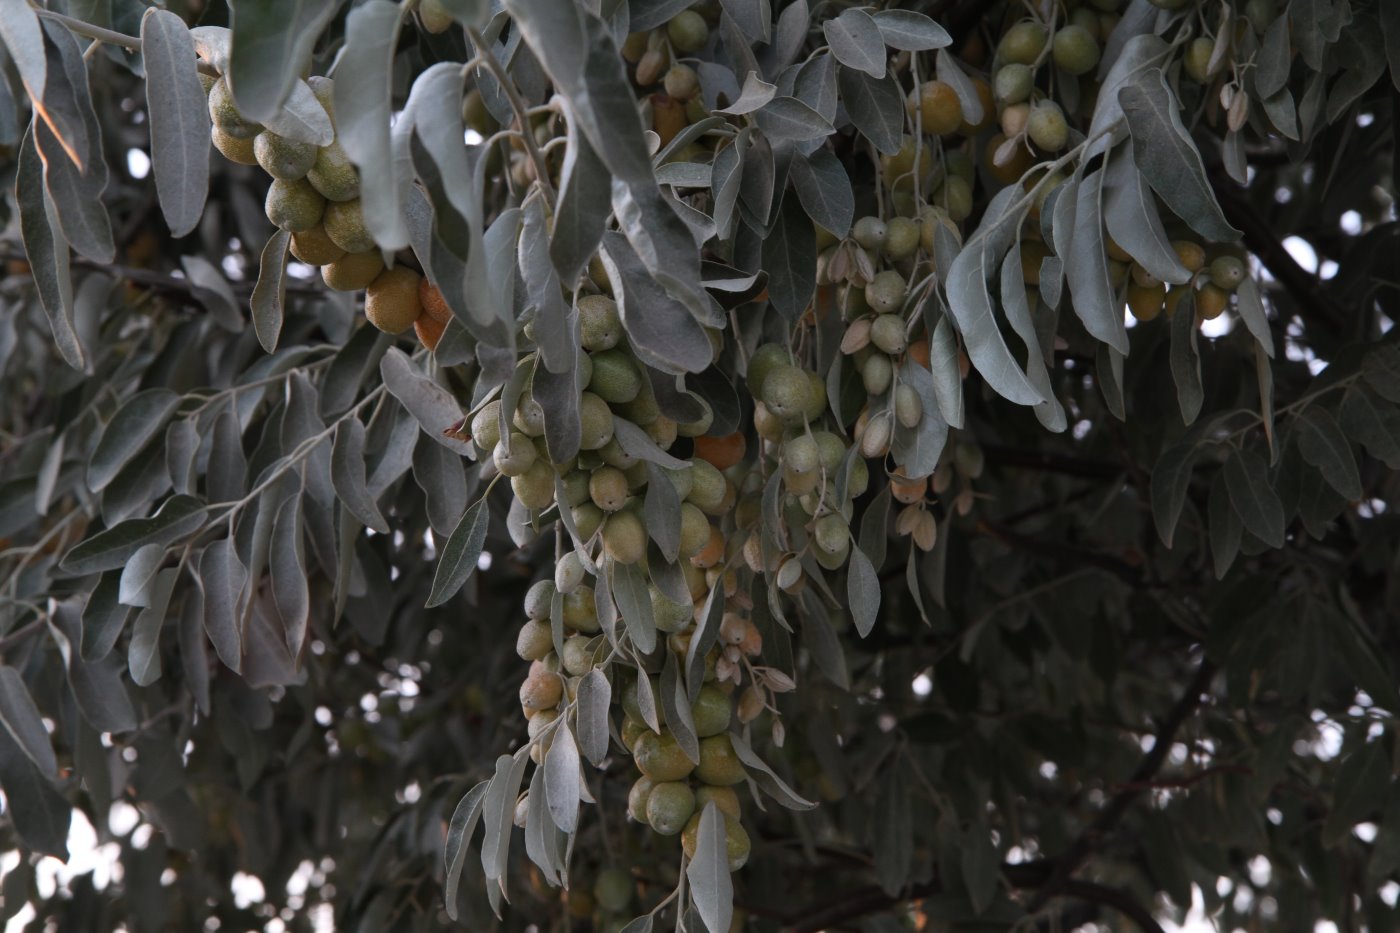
[
  {"x": 711, "y": 887},
  {"x": 224, "y": 577},
  {"x": 856, "y": 41},
  {"x": 134, "y": 424},
  {"x": 593, "y": 701},
  {"x": 110, "y": 549},
  {"x": 179, "y": 116},
  {"x": 790, "y": 258},
  {"x": 460, "y": 554},
  {"x": 269, "y": 300},
  {"x": 430, "y": 404},
  {"x": 1087, "y": 268},
  {"x": 875, "y": 105},
  {"x": 47, "y": 252},
  {"x": 22, "y": 720},
  {"x": 1258, "y": 505},
  {"x": 270, "y": 45},
  {"x": 824, "y": 190},
  {"x": 143, "y": 654},
  {"x": 563, "y": 780},
  {"x": 40, "y": 815},
  {"x": 1130, "y": 212},
  {"x": 1324, "y": 445},
  {"x": 911, "y": 31}
]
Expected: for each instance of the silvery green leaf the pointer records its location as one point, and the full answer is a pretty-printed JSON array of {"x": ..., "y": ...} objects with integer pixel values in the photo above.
[
  {"x": 824, "y": 189},
  {"x": 113, "y": 547},
  {"x": 76, "y": 199},
  {"x": 302, "y": 118},
  {"x": 662, "y": 509},
  {"x": 499, "y": 812},
  {"x": 1282, "y": 113},
  {"x": 789, "y": 38},
  {"x": 1108, "y": 367},
  {"x": 19, "y": 30},
  {"x": 553, "y": 319},
  {"x": 563, "y": 782},
  {"x": 755, "y": 94},
  {"x": 40, "y": 815},
  {"x": 790, "y": 258},
  {"x": 892, "y": 832},
  {"x": 910, "y": 31},
  {"x": 593, "y": 701},
  {"x": 648, "y": 14},
  {"x": 1251, "y": 308},
  {"x": 581, "y": 215},
  {"x": 662, "y": 331},
  {"x": 856, "y": 41},
  {"x": 950, "y": 72},
  {"x": 1272, "y": 64},
  {"x": 1130, "y": 212},
  {"x": 824, "y": 644},
  {"x": 348, "y": 475},
  {"x": 766, "y": 777},
  {"x": 47, "y": 252},
  {"x": 270, "y": 45},
  {"x": 351, "y": 365},
  {"x": 675, "y": 702},
  {"x": 1018, "y": 314},
  {"x": 46, "y": 480},
  {"x": 918, "y": 450},
  {"x": 460, "y": 554},
  {"x": 211, "y": 289},
  {"x": 1259, "y": 507},
  {"x": 97, "y": 686},
  {"x": 684, "y": 174},
  {"x": 558, "y": 393},
  {"x": 1376, "y": 427},
  {"x": 727, "y": 175},
  {"x": 179, "y": 117},
  {"x": 711, "y": 887},
  {"x": 638, "y": 443},
  {"x": 1171, "y": 478},
  {"x": 459, "y": 834},
  {"x": 269, "y": 299},
  {"x": 67, "y": 111},
  {"x": 20, "y": 718},
  {"x": 227, "y": 473},
  {"x": 629, "y": 589},
  {"x": 1226, "y": 531},
  {"x": 815, "y": 85},
  {"x": 944, "y": 364},
  {"x": 138, "y": 574},
  {"x": 434, "y": 111},
  {"x": 139, "y": 419},
  {"x": 1186, "y": 359},
  {"x": 433, "y": 406},
  {"x": 143, "y": 654},
  {"x": 439, "y": 473},
  {"x": 862, "y": 591},
  {"x": 1106, "y": 127},
  {"x": 1167, "y": 157},
  {"x": 790, "y": 118},
  {"x": 539, "y": 825},
  {"x": 287, "y": 566},
  {"x": 211, "y": 44},
  {"x": 875, "y": 106},
  {"x": 223, "y": 577},
  {"x": 362, "y": 105},
  {"x": 971, "y": 304},
  {"x": 1087, "y": 268},
  {"x": 1323, "y": 444},
  {"x": 103, "y": 618},
  {"x": 754, "y": 18}
]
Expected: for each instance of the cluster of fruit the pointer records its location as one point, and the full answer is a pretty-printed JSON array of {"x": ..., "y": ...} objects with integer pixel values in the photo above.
[{"x": 315, "y": 196}]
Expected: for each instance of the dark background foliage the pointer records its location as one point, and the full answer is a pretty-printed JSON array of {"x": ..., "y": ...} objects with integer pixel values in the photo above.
[{"x": 1057, "y": 719}]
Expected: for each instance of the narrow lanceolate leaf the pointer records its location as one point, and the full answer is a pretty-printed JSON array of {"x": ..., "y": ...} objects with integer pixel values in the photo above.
[
  {"x": 767, "y": 778},
  {"x": 430, "y": 404},
  {"x": 19, "y": 29},
  {"x": 1130, "y": 212},
  {"x": 21, "y": 719},
  {"x": 270, "y": 45},
  {"x": 110, "y": 549},
  {"x": 711, "y": 887},
  {"x": 1171, "y": 478},
  {"x": 585, "y": 191},
  {"x": 287, "y": 563},
  {"x": 143, "y": 654},
  {"x": 824, "y": 190},
  {"x": 862, "y": 592},
  {"x": 224, "y": 577},
  {"x": 40, "y": 814},
  {"x": 348, "y": 475},
  {"x": 875, "y": 106},
  {"x": 910, "y": 31},
  {"x": 790, "y": 258},
  {"x": 47, "y": 252},
  {"x": 269, "y": 299},
  {"x": 593, "y": 701},
  {"x": 971, "y": 303},
  {"x": 1186, "y": 359},
  {"x": 460, "y": 554},
  {"x": 1087, "y": 268},
  {"x": 661, "y": 509},
  {"x": 139, "y": 574},
  {"x": 1167, "y": 157},
  {"x": 629, "y": 587},
  {"x": 135, "y": 423},
  {"x": 1324, "y": 445},
  {"x": 1259, "y": 507},
  {"x": 76, "y": 199},
  {"x": 179, "y": 116},
  {"x": 362, "y": 88},
  {"x": 661, "y": 329},
  {"x": 1251, "y": 307},
  {"x": 103, "y": 618},
  {"x": 752, "y": 96},
  {"x": 562, "y": 779},
  {"x": 459, "y": 836}
]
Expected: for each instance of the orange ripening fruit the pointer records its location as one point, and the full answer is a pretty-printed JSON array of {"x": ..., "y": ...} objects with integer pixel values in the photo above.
[
  {"x": 434, "y": 305},
  {"x": 429, "y": 330},
  {"x": 721, "y": 452}
]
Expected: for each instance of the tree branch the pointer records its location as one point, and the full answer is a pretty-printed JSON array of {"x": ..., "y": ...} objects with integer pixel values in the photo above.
[
  {"x": 160, "y": 280},
  {"x": 1078, "y": 853}
]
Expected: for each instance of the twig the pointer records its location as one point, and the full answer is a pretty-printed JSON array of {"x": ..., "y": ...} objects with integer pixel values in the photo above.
[
  {"x": 131, "y": 43},
  {"x": 488, "y": 58},
  {"x": 160, "y": 280}
]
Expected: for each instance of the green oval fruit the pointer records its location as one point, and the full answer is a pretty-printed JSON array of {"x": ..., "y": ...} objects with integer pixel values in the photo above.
[
  {"x": 294, "y": 205},
  {"x": 765, "y": 359},
  {"x": 710, "y": 711},
  {"x": 578, "y": 655},
  {"x": 695, "y": 529},
  {"x": 1013, "y": 83},
  {"x": 234, "y": 148},
  {"x": 1227, "y": 272},
  {"x": 588, "y": 518},
  {"x": 1075, "y": 50},
  {"x": 718, "y": 763},
  {"x": 669, "y": 807},
  {"x": 1023, "y": 43},
  {"x": 670, "y": 615},
  {"x": 1047, "y": 127},
  {"x": 736, "y": 840},
  {"x": 708, "y": 488},
  {"x": 535, "y": 640},
  {"x": 688, "y": 31},
  {"x": 681, "y": 82},
  {"x": 638, "y": 795},
  {"x": 886, "y": 292},
  {"x": 660, "y": 757},
  {"x": 596, "y": 419},
  {"x": 580, "y": 611},
  {"x": 333, "y": 174},
  {"x": 723, "y": 797},
  {"x": 538, "y": 599},
  {"x": 625, "y": 537},
  {"x": 353, "y": 271},
  {"x": 955, "y": 197},
  {"x": 345, "y": 225},
  {"x": 599, "y": 326},
  {"x": 515, "y": 455},
  {"x": 786, "y": 392},
  {"x": 902, "y": 240},
  {"x": 486, "y": 425},
  {"x": 607, "y": 487},
  {"x": 877, "y": 372},
  {"x": 870, "y": 232},
  {"x": 287, "y": 159},
  {"x": 613, "y": 890},
  {"x": 887, "y": 334},
  {"x": 314, "y": 248},
  {"x": 223, "y": 113},
  {"x": 535, "y": 487},
  {"x": 615, "y": 377}
]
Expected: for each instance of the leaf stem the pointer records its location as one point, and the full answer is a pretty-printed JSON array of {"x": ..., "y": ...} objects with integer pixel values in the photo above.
[
  {"x": 488, "y": 59},
  {"x": 130, "y": 43}
]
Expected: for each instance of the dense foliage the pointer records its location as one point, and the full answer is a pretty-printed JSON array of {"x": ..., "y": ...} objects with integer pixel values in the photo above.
[{"x": 913, "y": 466}]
